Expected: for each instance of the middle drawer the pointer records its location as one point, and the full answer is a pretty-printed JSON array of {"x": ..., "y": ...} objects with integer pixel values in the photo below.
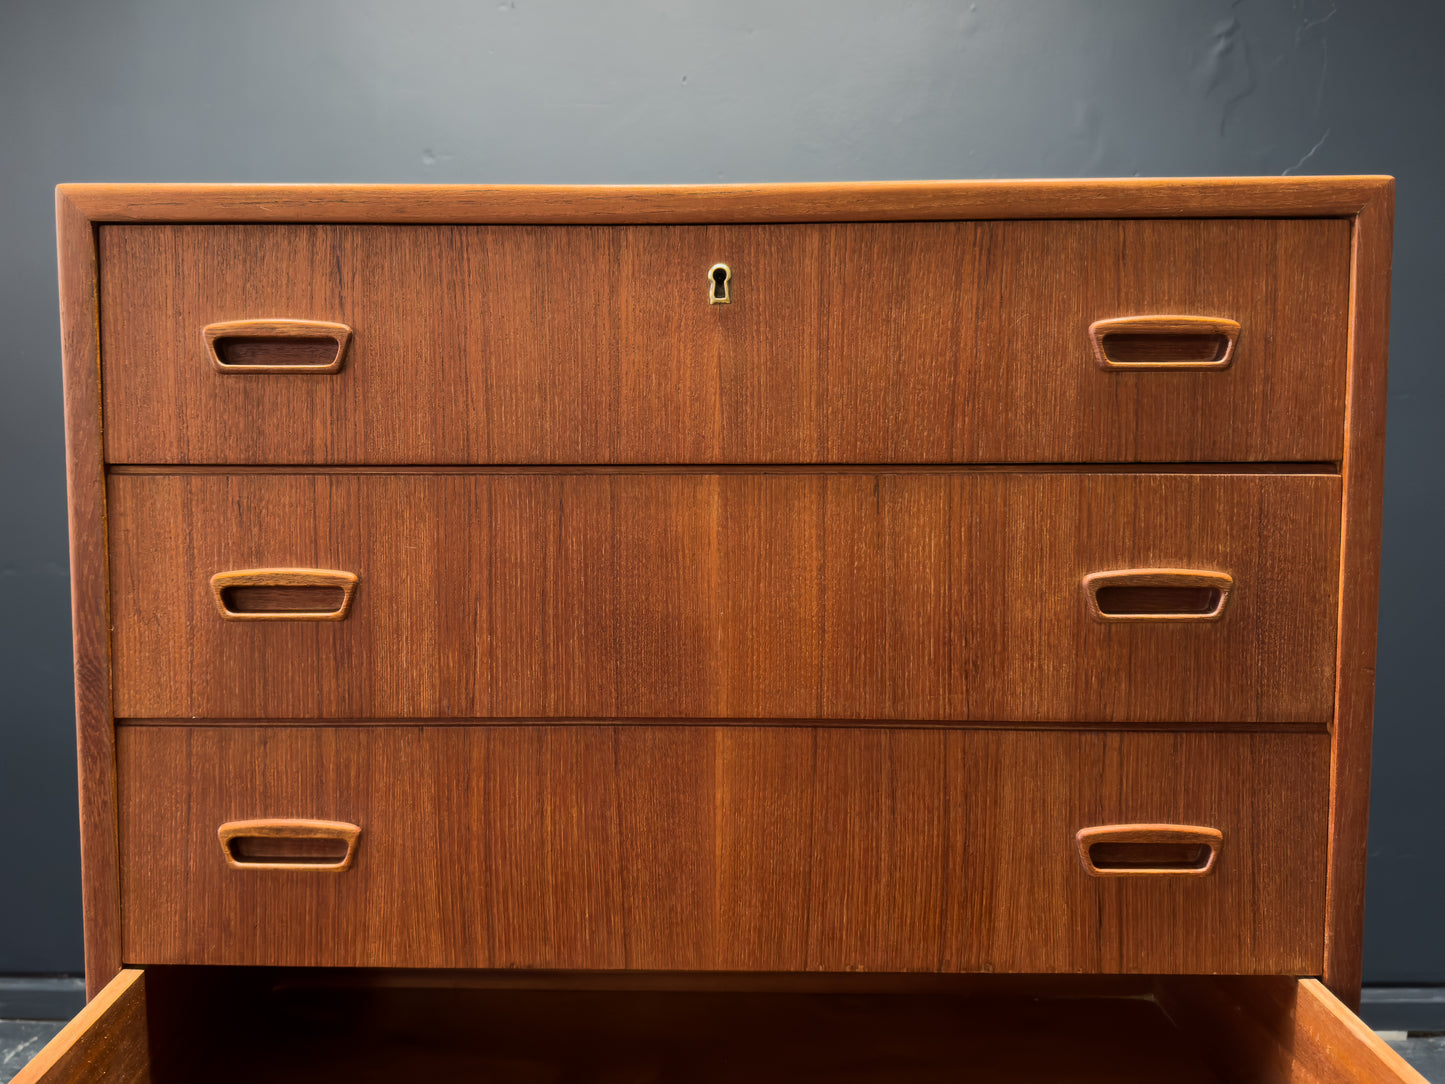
[{"x": 919, "y": 595}]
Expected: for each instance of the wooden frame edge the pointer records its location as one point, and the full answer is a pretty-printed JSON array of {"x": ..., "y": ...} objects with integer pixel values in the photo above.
[
  {"x": 1346, "y": 1040},
  {"x": 1278, "y": 1029},
  {"x": 1362, "y": 467},
  {"x": 103, "y": 1041},
  {"x": 89, "y": 591},
  {"x": 851, "y": 201}
]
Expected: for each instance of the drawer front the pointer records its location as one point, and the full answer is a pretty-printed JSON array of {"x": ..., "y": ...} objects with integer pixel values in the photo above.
[
  {"x": 850, "y": 343},
  {"x": 919, "y": 595},
  {"x": 721, "y": 848}
]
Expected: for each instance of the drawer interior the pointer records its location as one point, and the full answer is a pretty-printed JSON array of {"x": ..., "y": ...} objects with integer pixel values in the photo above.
[
  {"x": 363, "y": 1026},
  {"x": 244, "y": 1024}
]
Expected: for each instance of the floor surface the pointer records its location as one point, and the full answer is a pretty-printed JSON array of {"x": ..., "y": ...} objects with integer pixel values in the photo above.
[
  {"x": 21, "y": 1040},
  {"x": 1424, "y": 1052}
]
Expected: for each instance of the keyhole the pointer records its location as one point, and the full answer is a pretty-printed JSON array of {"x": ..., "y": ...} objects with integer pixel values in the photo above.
[{"x": 719, "y": 275}]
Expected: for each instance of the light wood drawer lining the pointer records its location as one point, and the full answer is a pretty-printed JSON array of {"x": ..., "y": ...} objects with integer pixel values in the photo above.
[
  {"x": 867, "y": 342},
  {"x": 906, "y": 596}
]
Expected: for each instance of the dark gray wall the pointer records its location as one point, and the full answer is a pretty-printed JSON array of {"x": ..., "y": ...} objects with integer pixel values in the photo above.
[{"x": 723, "y": 90}]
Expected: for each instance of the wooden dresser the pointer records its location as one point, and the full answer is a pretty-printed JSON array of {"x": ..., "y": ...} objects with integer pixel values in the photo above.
[{"x": 863, "y": 632}]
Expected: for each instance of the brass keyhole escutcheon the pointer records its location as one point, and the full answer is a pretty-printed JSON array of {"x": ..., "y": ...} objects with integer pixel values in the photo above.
[{"x": 718, "y": 277}]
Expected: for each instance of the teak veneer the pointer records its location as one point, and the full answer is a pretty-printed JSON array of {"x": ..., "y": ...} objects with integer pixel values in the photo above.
[
  {"x": 692, "y": 633},
  {"x": 736, "y": 848},
  {"x": 844, "y": 343},
  {"x": 907, "y": 596}
]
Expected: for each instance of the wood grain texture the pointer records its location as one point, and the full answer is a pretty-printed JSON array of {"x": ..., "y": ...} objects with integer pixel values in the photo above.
[
  {"x": 107, "y": 1042},
  {"x": 89, "y": 591},
  {"x": 851, "y": 343},
  {"x": 740, "y": 577},
  {"x": 1364, "y": 476},
  {"x": 724, "y": 848},
  {"x": 1237, "y": 197},
  {"x": 848, "y": 596},
  {"x": 1279, "y": 1031},
  {"x": 1340, "y": 1047},
  {"x": 1303, "y": 468}
]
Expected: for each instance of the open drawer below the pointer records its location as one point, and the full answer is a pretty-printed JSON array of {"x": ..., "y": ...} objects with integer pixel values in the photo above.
[{"x": 176, "y": 1024}]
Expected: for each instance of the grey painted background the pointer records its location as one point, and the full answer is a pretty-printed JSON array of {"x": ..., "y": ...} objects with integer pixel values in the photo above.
[{"x": 724, "y": 90}]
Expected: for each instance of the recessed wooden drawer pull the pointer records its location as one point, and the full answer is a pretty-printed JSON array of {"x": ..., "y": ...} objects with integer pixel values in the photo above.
[
  {"x": 325, "y": 846},
  {"x": 1133, "y": 850},
  {"x": 1157, "y": 594},
  {"x": 276, "y": 346},
  {"x": 284, "y": 594},
  {"x": 1164, "y": 342}
]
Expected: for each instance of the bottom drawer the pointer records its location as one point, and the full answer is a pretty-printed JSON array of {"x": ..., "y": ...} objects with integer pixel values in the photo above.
[
  {"x": 664, "y": 847},
  {"x": 222, "y": 1025}
]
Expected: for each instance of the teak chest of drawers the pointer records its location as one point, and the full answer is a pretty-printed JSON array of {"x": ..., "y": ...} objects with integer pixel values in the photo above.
[{"x": 864, "y": 631}]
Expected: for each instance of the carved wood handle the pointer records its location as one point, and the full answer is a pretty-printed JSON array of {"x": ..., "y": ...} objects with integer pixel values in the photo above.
[
  {"x": 284, "y": 594},
  {"x": 278, "y": 843},
  {"x": 276, "y": 346},
  {"x": 1149, "y": 850},
  {"x": 1157, "y": 594},
  {"x": 1164, "y": 342}
]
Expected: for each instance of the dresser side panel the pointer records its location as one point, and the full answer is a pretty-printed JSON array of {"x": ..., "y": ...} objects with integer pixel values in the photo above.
[
  {"x": 89, "y": 591},
  {"x": 1364, "y": 478}
]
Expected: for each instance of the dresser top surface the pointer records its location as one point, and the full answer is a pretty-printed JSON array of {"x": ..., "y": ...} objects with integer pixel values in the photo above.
[{"x": 794, "y": 202}]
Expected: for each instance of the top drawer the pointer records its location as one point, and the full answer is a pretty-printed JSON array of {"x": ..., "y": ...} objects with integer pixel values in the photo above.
[{"x": 904, "y": 342}]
